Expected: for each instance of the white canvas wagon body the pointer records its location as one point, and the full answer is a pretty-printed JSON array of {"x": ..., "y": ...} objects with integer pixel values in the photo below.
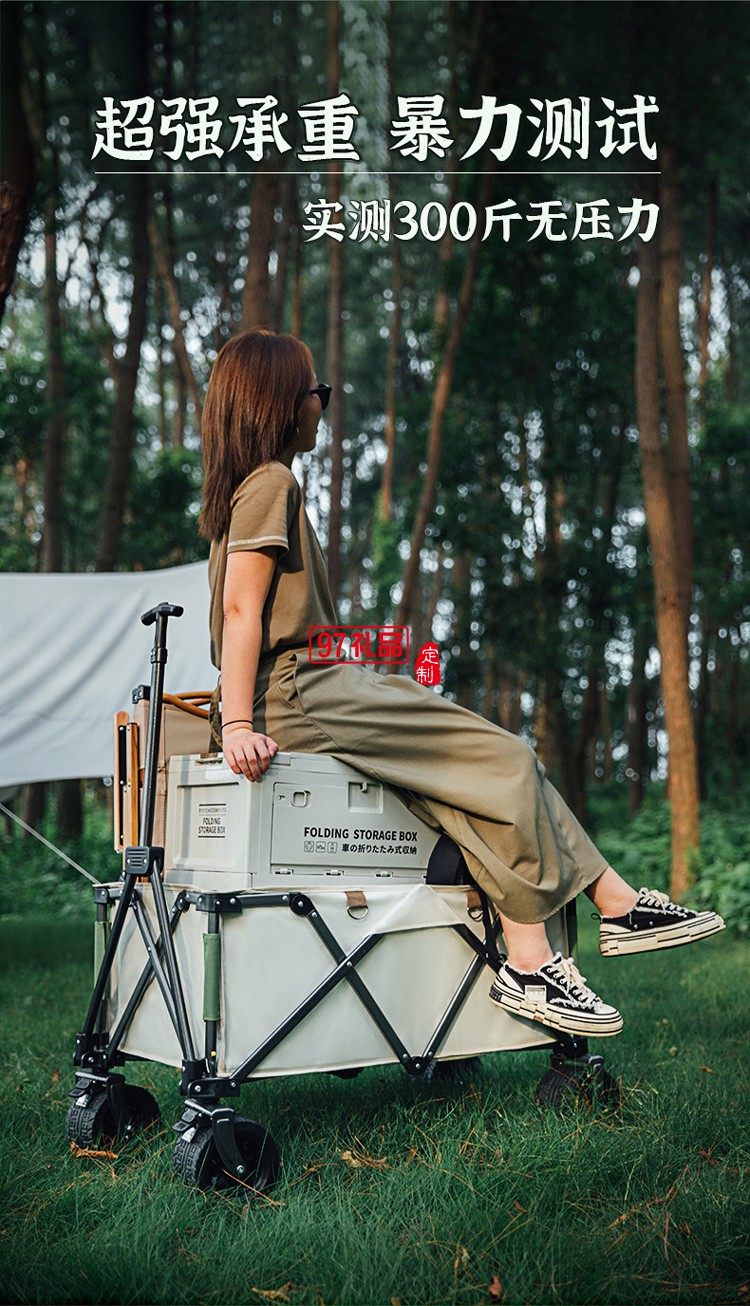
[{"x": 306, "y": 922}]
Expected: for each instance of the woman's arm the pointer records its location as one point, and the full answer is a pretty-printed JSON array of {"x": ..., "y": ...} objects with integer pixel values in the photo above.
[{"x": 248, "y": 580}]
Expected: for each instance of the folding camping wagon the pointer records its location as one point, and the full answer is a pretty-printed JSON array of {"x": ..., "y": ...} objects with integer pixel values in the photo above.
[{"x": 305, "y": 922}]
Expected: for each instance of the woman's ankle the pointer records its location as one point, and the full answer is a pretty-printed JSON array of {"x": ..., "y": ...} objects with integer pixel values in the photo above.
[
  {"x": 528, "y": 962},
  {"x": 527, "y": 945},
  {"x": 611, "y": 894}
]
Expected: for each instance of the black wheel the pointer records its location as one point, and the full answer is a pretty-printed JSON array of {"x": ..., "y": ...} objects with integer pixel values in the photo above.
[
  {"x": 571, "y": 1085},
  {"x": 97, "y": 1123},
  {"x": 197, "y": 1161},
  {"x": 141, "y": 1112},
  {"x": 92, "y": 1125},
  {"x": 458, "y": 1070}
]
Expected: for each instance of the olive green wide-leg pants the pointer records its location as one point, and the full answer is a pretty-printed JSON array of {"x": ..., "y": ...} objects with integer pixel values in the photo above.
[{"x": 483, "y": 786}]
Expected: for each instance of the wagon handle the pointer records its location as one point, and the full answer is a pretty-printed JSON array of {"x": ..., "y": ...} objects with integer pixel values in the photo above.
[
  {"x": 162, "y": 609},
  {"x": 158, "y": 615}
]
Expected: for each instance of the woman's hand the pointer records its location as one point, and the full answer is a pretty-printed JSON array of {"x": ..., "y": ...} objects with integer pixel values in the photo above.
[{"x": 247, "y": 752}]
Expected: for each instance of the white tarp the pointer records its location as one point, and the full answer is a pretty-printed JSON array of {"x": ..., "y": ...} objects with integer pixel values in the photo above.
[{"x": 73, "y": 648}]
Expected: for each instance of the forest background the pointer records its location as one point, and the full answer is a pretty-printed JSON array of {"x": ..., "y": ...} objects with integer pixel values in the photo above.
[{"x": 536, "y": 450}]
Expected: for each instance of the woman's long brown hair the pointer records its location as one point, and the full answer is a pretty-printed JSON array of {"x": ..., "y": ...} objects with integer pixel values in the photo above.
[{"x": 255, "y": 390}]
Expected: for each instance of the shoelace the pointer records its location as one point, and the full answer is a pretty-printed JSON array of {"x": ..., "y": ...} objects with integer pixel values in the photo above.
[
  {"x": 654, "y": 898},
  {"x": 571, "y": 978}
]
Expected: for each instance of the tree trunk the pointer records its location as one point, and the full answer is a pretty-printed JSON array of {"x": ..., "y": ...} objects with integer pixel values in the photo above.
[
  {"x": 673, "y": 367},
  {"x": 636, "y": 726},
  {"x": 433, "y": 597},
  {"x": 452, "y": 333},
  {"x": 69, "y": 792},
  {"x": 490, "y": 699},
  {"x": 464, "y": 662},
  {"x": 165, "y": 272},
  {"x": 585, "y": 741},
  {"x": 33, "y": 805},
  {"x": 509, "y": 700},
  {"x": 69, "y": 804},
  {"x": 704, "y": 297},
  {"x": 283, "y": 252},
  {"x": 335, "y": 348},
  {"x": 225, "y": 324},
  {"x": 658, "y": 491},
  {"x": 117, "y": 482},
  {"x": 18, "y": 181},
  {"x": 161, "y": 370},
  {"x": 23, "y": 475},
  {"x": 180, "y": 407},
  {"x": 735, "y": 721},
  {"x": 606, "y": 732},
  {"x": 55, "y": 429},
  {"x": 296, "y": 313},
  {"x": 51, "y": 550},
  {"x": 731, "y": 381},
  {"x": 385, "y": 502},
  {"x": 256, "y": 294},
  {"x": 447, "y": 244},
  {"x": 701, "y": 707},
  {"x": 69, "y": 809},
  {"x": 440, "y": 397}
]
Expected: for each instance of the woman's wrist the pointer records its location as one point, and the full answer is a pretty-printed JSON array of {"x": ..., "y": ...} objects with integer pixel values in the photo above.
[{"x": 240, "y": 722}]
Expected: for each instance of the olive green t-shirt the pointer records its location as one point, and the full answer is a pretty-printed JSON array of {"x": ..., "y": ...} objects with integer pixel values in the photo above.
[{"x": 267, "y": 512}]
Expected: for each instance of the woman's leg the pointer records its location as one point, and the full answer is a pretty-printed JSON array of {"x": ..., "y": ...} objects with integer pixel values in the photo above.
[
  {"x": 528, "y": 945},
  {"x": 459, "y": 773},
  {"x": 657, "y": 923},
  {"x": 540, "y": 986},
  {"x": 611, "y": 894},
  {"x": 483, "y": 786}
]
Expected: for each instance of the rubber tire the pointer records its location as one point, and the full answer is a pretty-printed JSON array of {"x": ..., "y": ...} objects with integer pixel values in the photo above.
[
  {"x": 581, "y": 1087},
  {"x": 197, "y": 1162},
  {"x": 458, "y": 1070},
  {"x": 142, "y": 1112},
  {"x": 91, "y": 1125}
]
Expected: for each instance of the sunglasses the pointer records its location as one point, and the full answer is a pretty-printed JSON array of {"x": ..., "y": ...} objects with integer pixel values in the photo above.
[{"x": 324, "y": 393}]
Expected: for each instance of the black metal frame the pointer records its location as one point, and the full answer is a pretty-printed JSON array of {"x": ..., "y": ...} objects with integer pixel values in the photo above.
[
  {"x": 199, "y": 1083},
  {"x": 196, "y": 1071},
  {"x": 98, "y": 1050}
]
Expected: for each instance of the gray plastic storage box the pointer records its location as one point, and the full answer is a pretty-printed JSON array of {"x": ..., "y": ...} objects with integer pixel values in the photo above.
[{"x": 309, "y": 821}]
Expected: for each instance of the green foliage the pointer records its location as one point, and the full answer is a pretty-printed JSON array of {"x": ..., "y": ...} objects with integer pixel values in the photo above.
[
  {"x": 725, "y": 888},
  {"x": 386, "y": 564},
  {"x": 161, "y": 529},
  {"x": 723, "y": 866},
  {"x": 89, "y": 399},
  {"x": 639, "y": 849},
  {"x": 34, "y": 880}
]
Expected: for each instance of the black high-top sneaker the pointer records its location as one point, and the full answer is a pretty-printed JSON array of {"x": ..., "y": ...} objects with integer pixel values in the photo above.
[
  {"x": 555, "y": 995},
  {"x": 654, "y": 922}
]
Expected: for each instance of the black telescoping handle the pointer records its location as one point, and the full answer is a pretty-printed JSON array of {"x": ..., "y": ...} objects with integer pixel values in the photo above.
[
  {"x": 159, "y": 616},
  {"x": 161, "y": 610}
]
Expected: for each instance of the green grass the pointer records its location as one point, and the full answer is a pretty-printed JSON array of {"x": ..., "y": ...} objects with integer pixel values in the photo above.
[{"x": 458, "y": 1183}]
